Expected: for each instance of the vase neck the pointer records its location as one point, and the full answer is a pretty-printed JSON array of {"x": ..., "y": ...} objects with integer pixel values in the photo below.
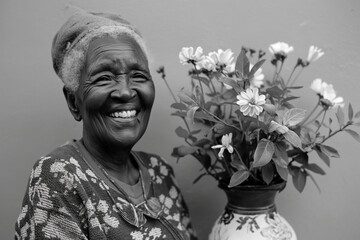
[
  {"x": 247, "y": 200},
  {"x": 251, "y": 210}
]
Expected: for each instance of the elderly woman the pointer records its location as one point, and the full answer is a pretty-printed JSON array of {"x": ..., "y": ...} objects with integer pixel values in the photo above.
[{"x": 98, "y": 187}]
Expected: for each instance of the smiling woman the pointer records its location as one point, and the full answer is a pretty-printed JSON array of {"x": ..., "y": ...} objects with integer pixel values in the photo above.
[
  {"x": 97, "y": 187},
  {"x": 114, "y": 97}
]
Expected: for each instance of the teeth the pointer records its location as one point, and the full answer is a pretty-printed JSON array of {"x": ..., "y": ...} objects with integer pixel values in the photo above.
[{"x": 124, "y": 114}]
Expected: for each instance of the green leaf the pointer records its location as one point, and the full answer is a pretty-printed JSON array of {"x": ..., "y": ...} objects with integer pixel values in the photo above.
[
  {"x": 238, "y": 177},
  {"x": 350, "y": 112},
  {"x": 354, "y": 134},
  {"x": 194, "y": 132},
  {"x": 322, "y": 155},
  {"x": 289, "y": 99},
  {"x": 283, "y": 172},
  {"x": 238, "y": 164},
  {"x": 231, "y": 82},
  {"x": 229, "y": 95},
  {"x": 270, "y": 108},
  {"x": 267, "y": 173},
  {"x": 313, "y": 179},
  {"x": 178, "y": 113},
  {"x": 281, "y": 155},
  {"x": 202, "y": 142},
  {"x": 221, "y": 129},
  {"x": 315, "y": 168},
  {"x": 256, "y": 67},
  {"x": 242, "y": 64},
  {"x": 182, "y": 151},
  {"x": 293, "y": 138},
  {"x": 181, "y": 132},
  {"x": 187, "y": 98},
  {"x": 307, "y": 135},
  {"x": 204, "y": 159},
  {"x": 202, "y": 79},
  {"x": 293, "y": 116},
  {"x": 179, "y": 106},
  {"x": 191, "y": 113},
  {"x": 340, "y": 116},
  {"x": 302, "y": 158},
  {"x": 299, "y": 179},
  {"x": 263, "y": 153},
  {"x": 192, "y": 138},
  {"x": 203, "y": 116},
  {"x": 330, "y": 151},
  {"x": 357, "y": 115},
  {"x": 275, "y": 91},
  {"x": 295, "y": 87},
  {"x": 294, "y": 152},
  {"x": 199, "y": 96}
]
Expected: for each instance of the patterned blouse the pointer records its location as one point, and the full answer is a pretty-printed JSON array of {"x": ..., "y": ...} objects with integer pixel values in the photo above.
[{"x": 65, "y": 199}]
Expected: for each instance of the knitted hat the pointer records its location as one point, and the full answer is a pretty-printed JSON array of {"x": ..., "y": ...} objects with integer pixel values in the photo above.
[{"x": 71, "y": 42}]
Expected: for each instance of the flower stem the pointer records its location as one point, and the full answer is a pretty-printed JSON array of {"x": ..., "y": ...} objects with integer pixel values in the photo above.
[
  {"x": 291, "y": 74},
  {"x": 230, "y": 110},
  {"x": 322, "y": 121},
  {"x": 201, "y": 87},
  {"x": 337, "y": 131},
  {"x": 239, "y": 156},
  {"x": 225, "y": 165},
  {"x": 275, "y": 73},
  {"x": 312, "y": 112},
  {"x": 171, "y": 92},
  {"x": 322, "y": 110},
  {"x": 297, "y": 76},
  {"x": 186, "y": 124},
  {"x": 281, "y": 66},
  {"x": 211, "y": 86}
]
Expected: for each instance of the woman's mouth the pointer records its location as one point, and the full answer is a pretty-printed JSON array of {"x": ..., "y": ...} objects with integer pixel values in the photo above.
[{"x": 125, "y": 114}]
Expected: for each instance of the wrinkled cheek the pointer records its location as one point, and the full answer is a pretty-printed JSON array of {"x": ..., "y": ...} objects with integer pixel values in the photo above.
[
  {"x": 149, "y": 96},
  {"x": 95, "y": 125}
]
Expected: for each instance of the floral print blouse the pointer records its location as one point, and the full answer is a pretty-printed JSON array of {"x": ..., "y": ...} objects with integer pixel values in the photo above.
[{"x": 65, "y": 199}]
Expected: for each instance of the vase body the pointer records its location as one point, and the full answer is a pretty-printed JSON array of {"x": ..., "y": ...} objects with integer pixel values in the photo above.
[{"x": 250, "y": 214}]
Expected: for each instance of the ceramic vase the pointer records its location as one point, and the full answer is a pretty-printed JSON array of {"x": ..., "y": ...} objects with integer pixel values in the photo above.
[{"x": 250, "y": 214}]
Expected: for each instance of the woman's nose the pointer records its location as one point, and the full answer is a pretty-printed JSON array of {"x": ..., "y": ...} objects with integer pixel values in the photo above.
[{"x": 123, "y": 91}]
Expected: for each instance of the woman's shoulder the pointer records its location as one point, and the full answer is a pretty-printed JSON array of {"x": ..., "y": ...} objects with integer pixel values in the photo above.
[
  {"x": 60, "y": 161},
  {"x": 152, "y": 160},
  {"x": 64, "y": 153},
  {"x": 160, "y": 171}
]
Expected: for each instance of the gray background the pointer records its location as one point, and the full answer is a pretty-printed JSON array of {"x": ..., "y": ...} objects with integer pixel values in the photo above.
[{"x": 35, "y": 119}]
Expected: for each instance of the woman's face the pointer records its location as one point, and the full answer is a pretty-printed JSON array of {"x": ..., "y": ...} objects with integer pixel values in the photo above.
[{"x": 116, "y": 92}]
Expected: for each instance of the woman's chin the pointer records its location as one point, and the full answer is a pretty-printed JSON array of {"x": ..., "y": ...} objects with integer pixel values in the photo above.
[{"x": 126, "y": 137}]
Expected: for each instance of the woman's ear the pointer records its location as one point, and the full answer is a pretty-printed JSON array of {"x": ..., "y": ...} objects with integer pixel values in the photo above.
[{"x": 72, "y": 103}]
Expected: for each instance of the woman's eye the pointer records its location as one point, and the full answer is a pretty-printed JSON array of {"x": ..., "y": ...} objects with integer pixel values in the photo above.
[
  {"x": 103, "y": 78},
  {"x": 140, "y": 77}
]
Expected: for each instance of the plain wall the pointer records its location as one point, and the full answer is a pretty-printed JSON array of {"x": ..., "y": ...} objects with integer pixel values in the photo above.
[{"x": 35, "y": 119}]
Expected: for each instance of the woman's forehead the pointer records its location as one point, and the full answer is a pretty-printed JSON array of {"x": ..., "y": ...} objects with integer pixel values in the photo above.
[
  {"x": 120, "y": 43},
  {"x": 108, "y": 49}
]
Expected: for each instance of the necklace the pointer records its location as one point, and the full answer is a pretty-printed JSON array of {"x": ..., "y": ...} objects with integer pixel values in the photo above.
[
  {"x": 120, "y": 189},
  {"x": 132, "y": 213},
  {"x": 152, "y": 205}
]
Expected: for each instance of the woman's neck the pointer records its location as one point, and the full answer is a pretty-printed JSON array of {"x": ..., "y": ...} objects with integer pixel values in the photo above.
[{"x": 119, "y": 164}]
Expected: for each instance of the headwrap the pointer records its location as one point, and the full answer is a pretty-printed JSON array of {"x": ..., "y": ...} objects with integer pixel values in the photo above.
[{"x": 70, "y": 43}]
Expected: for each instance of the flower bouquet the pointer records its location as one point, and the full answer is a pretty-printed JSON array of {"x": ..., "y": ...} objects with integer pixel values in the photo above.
[{"x": 243, "y": 127}]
